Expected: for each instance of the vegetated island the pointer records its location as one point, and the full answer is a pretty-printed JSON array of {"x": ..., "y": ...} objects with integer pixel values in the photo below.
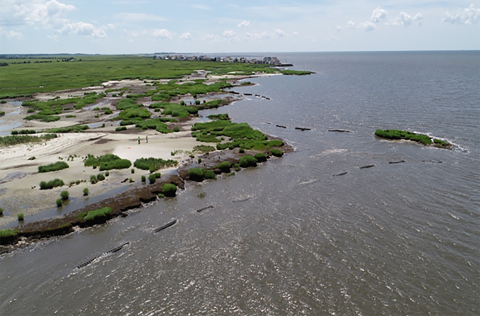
[
  {"x": 108, "y": 130},
  {"x": 419, "y": 138}
]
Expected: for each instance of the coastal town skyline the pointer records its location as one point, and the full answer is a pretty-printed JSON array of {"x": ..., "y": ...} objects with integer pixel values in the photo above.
[{"x": 130, "y": 27}]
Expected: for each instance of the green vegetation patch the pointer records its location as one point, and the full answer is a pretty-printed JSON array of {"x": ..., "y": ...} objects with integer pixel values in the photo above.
[
  {"x": 399, "y": 134},
  {"x": 169, "y": 189},
  {"x": 134, "y": 112},
  {"x": 203, "y": 149},
  {"x": 7, "y": 233},
  {"x": 175, "y": 110},
  {"x": 196, "y": 174},
  {"x": 95, "y": 214},
  {"x": 240, "y": 134},
  {"x": 153, "y": 164},
  {"x": 59, "y": 165},
  {"x": 223, "y": 117},
  {"x": 69, "y": 129},
  {"x": 43, "y": 118},
  {"x": 276, "y": 152},
  {"x": 295, "y": 72},
  {"x": 156, "y": 124},
  {"x": 24, "y": 139},
  {"x": 107, "y": 162},
  {"x": 248, "y": 161},
  {"x": 51, "y": 184}
]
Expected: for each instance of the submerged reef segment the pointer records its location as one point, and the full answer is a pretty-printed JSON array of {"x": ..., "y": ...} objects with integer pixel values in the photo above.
[{"x": 419, "y": 138}]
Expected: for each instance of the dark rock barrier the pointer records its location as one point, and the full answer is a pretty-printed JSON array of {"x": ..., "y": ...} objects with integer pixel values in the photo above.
[
  {"x": 116, "y": 249},
  {"x": 171, "y": 223},
  {"x": 394, "y": 162},
  {"x": 205, "y": 208},
  {"x": 367, "y": 166},
  {"x": 340, "y": 174}
]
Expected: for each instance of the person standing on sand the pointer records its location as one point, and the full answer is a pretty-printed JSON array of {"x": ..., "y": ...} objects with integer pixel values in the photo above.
[
  {"x": 146, "y": 138},
  {"x": 139, "y": 139}
]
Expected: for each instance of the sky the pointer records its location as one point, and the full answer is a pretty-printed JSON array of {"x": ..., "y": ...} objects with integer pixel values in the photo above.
[{"x": 148, "y": 26}]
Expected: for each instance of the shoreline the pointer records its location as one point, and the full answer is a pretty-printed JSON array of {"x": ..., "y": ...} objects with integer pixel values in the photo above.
[{"x": 19, "y": 177}]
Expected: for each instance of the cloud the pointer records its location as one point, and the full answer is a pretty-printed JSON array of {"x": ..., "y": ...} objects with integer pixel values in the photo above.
[
  {"x": 468, "y": 15},
  {"x": 162, "y": 33},
  {"x": 140, "y": 17},
  {"x": 244, "y": 23},
  {"x": 279, "y": 33},
  {"x": 368, "y": 26},
  {"x": 84, "y": 29},
  {"x": 350, "y": 25},
  {"x": 405, "y": 19},
  {"x": 186, "y": 36},
  {"x": 254, "y": 36},
  {"x": 378, "y": 15},
  {"x": 229, "y": 34},
  {"x": 48, "y": 14},
  {"x": 11, "y": 34}
]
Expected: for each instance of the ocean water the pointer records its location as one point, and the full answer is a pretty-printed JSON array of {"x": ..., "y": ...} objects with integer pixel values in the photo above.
[{"x": 290, "y": 237}]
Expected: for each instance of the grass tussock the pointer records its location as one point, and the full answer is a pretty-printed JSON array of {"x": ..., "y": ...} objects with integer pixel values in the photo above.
[
  {"x": 153, "y": 164},
  {"x": 419, "y": 138},
  {"x": 59, "y": 165},
  {"x": 107, "y": 162},
  {"x": 24, "y": 139}
]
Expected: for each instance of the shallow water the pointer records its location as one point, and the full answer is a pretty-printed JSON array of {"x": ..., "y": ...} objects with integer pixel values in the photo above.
[{"x": 289, "y": 238}]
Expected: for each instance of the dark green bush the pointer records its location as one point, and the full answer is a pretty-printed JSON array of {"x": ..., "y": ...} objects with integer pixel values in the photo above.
[
  {"x": 176, "y": 129},
  {"x": 100, "y": 177},
  {"x": 85, "y": 191},
  {"x": 169, "y": 189},
  {"x": 59, "y": 165},
  {"x": 153, "y": 164},
  {"x": 64, "y": 195},
  {"x": 224, "y": 166},
  {"x": 248, "y": 161},
  {"x": 1, "y": 211},
  {"x": 144, "y": 179},
  {"x": 93, "y": 179},
  {"x": 209, "y": 174},
  {"x": 151, "y": 178},
  {"x": 132, "y": 171},
  {"x": 260, "y": 157},
  {"x": 20, "y": 217},
  {"x": 196, "y": 174},
  {"x": 59, "y": 202},
  {"x": 4, "y": 233},
  {"x": 99, "y": 213},
  {"x": 276, "y": 152},
  {"x": 32, "y": 158},
  {"x": 122, "y": 128},
  {"x": 51, "y": 184}
]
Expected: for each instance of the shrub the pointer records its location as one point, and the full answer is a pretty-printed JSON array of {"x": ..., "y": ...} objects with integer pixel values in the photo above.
[
  {"x": 176, "y": 129},
  {"x": 224, "y": 166},
  {"x": 59, "y": 202},
  {"x": 93, "y": 179},
  {"x": 107, "y": 174},
  {"x": 261, "y": 157},
  {"x": 20, "y": 217},
  {"x": 85, "y": 191},
  {"x": 98, "y": 213},
  {"x": 7, "y": 233},
  {"x": 151, "y": 178},
  {"x": 64, "y": 195},
  {"x": 100, "y": 177},
  {"x": 144, "y": 179},
  {"x": 241, "y": 150},
  {"x": 32, "y": 158},
  {"x": 153, "y": 164},
  {"x": 248, "y": 161},
  {"x": 196, "y": 174},
  {"x": 169, "y": 189},
  {"x": 209, "y": 174},
  {"x": 59, "y": 165},
  {"x": 51, "y": 184},
  {"x": 201, "y": 194},
  {"x": 237, "y": 167},
  {"x": 276, "y": 152},
  {"x": 1, "y": 211},
  {"x": 122, "y": 128},
  {"x": 132, "y": 171}
]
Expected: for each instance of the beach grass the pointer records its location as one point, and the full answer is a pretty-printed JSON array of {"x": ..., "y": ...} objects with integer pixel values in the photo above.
[
  {"x": 95, "y": 214},
  {"x": 59, "y": 165},
  {"x": 24, "y": 139},
  {"x": 153, "y": 164},
  {"x": 169, "y": 189}
]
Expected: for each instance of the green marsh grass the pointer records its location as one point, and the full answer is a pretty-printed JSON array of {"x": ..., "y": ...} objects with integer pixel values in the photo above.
[{"x": 59, "y": 165}]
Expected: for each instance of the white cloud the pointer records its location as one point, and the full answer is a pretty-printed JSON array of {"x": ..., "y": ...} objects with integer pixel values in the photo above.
[
  {"x": 378, "y": 15},
  {"x": 468, "y": 15},
  {"x": 368, "y": 26},
  {"x": 11, "y": 34},
  {"x": 350, "y": 25},
  {"x": 140, "y": 17},
  {"x": 244, "y": 23},
  {"x": 162, "y": 33},
  {"x": 186, "y": 36},
  {"x": 48, "y": 14},
  {"x": 229, "y": 34},
  {"x": 405, "y": 19},
  {"x": 254, "y": 36},
  {"x": 84, "y": 29},
  {"x": 279, "y": 33}
]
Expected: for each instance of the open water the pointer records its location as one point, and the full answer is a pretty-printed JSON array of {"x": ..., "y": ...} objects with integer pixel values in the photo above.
[{"x": 289, "y": 238}]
